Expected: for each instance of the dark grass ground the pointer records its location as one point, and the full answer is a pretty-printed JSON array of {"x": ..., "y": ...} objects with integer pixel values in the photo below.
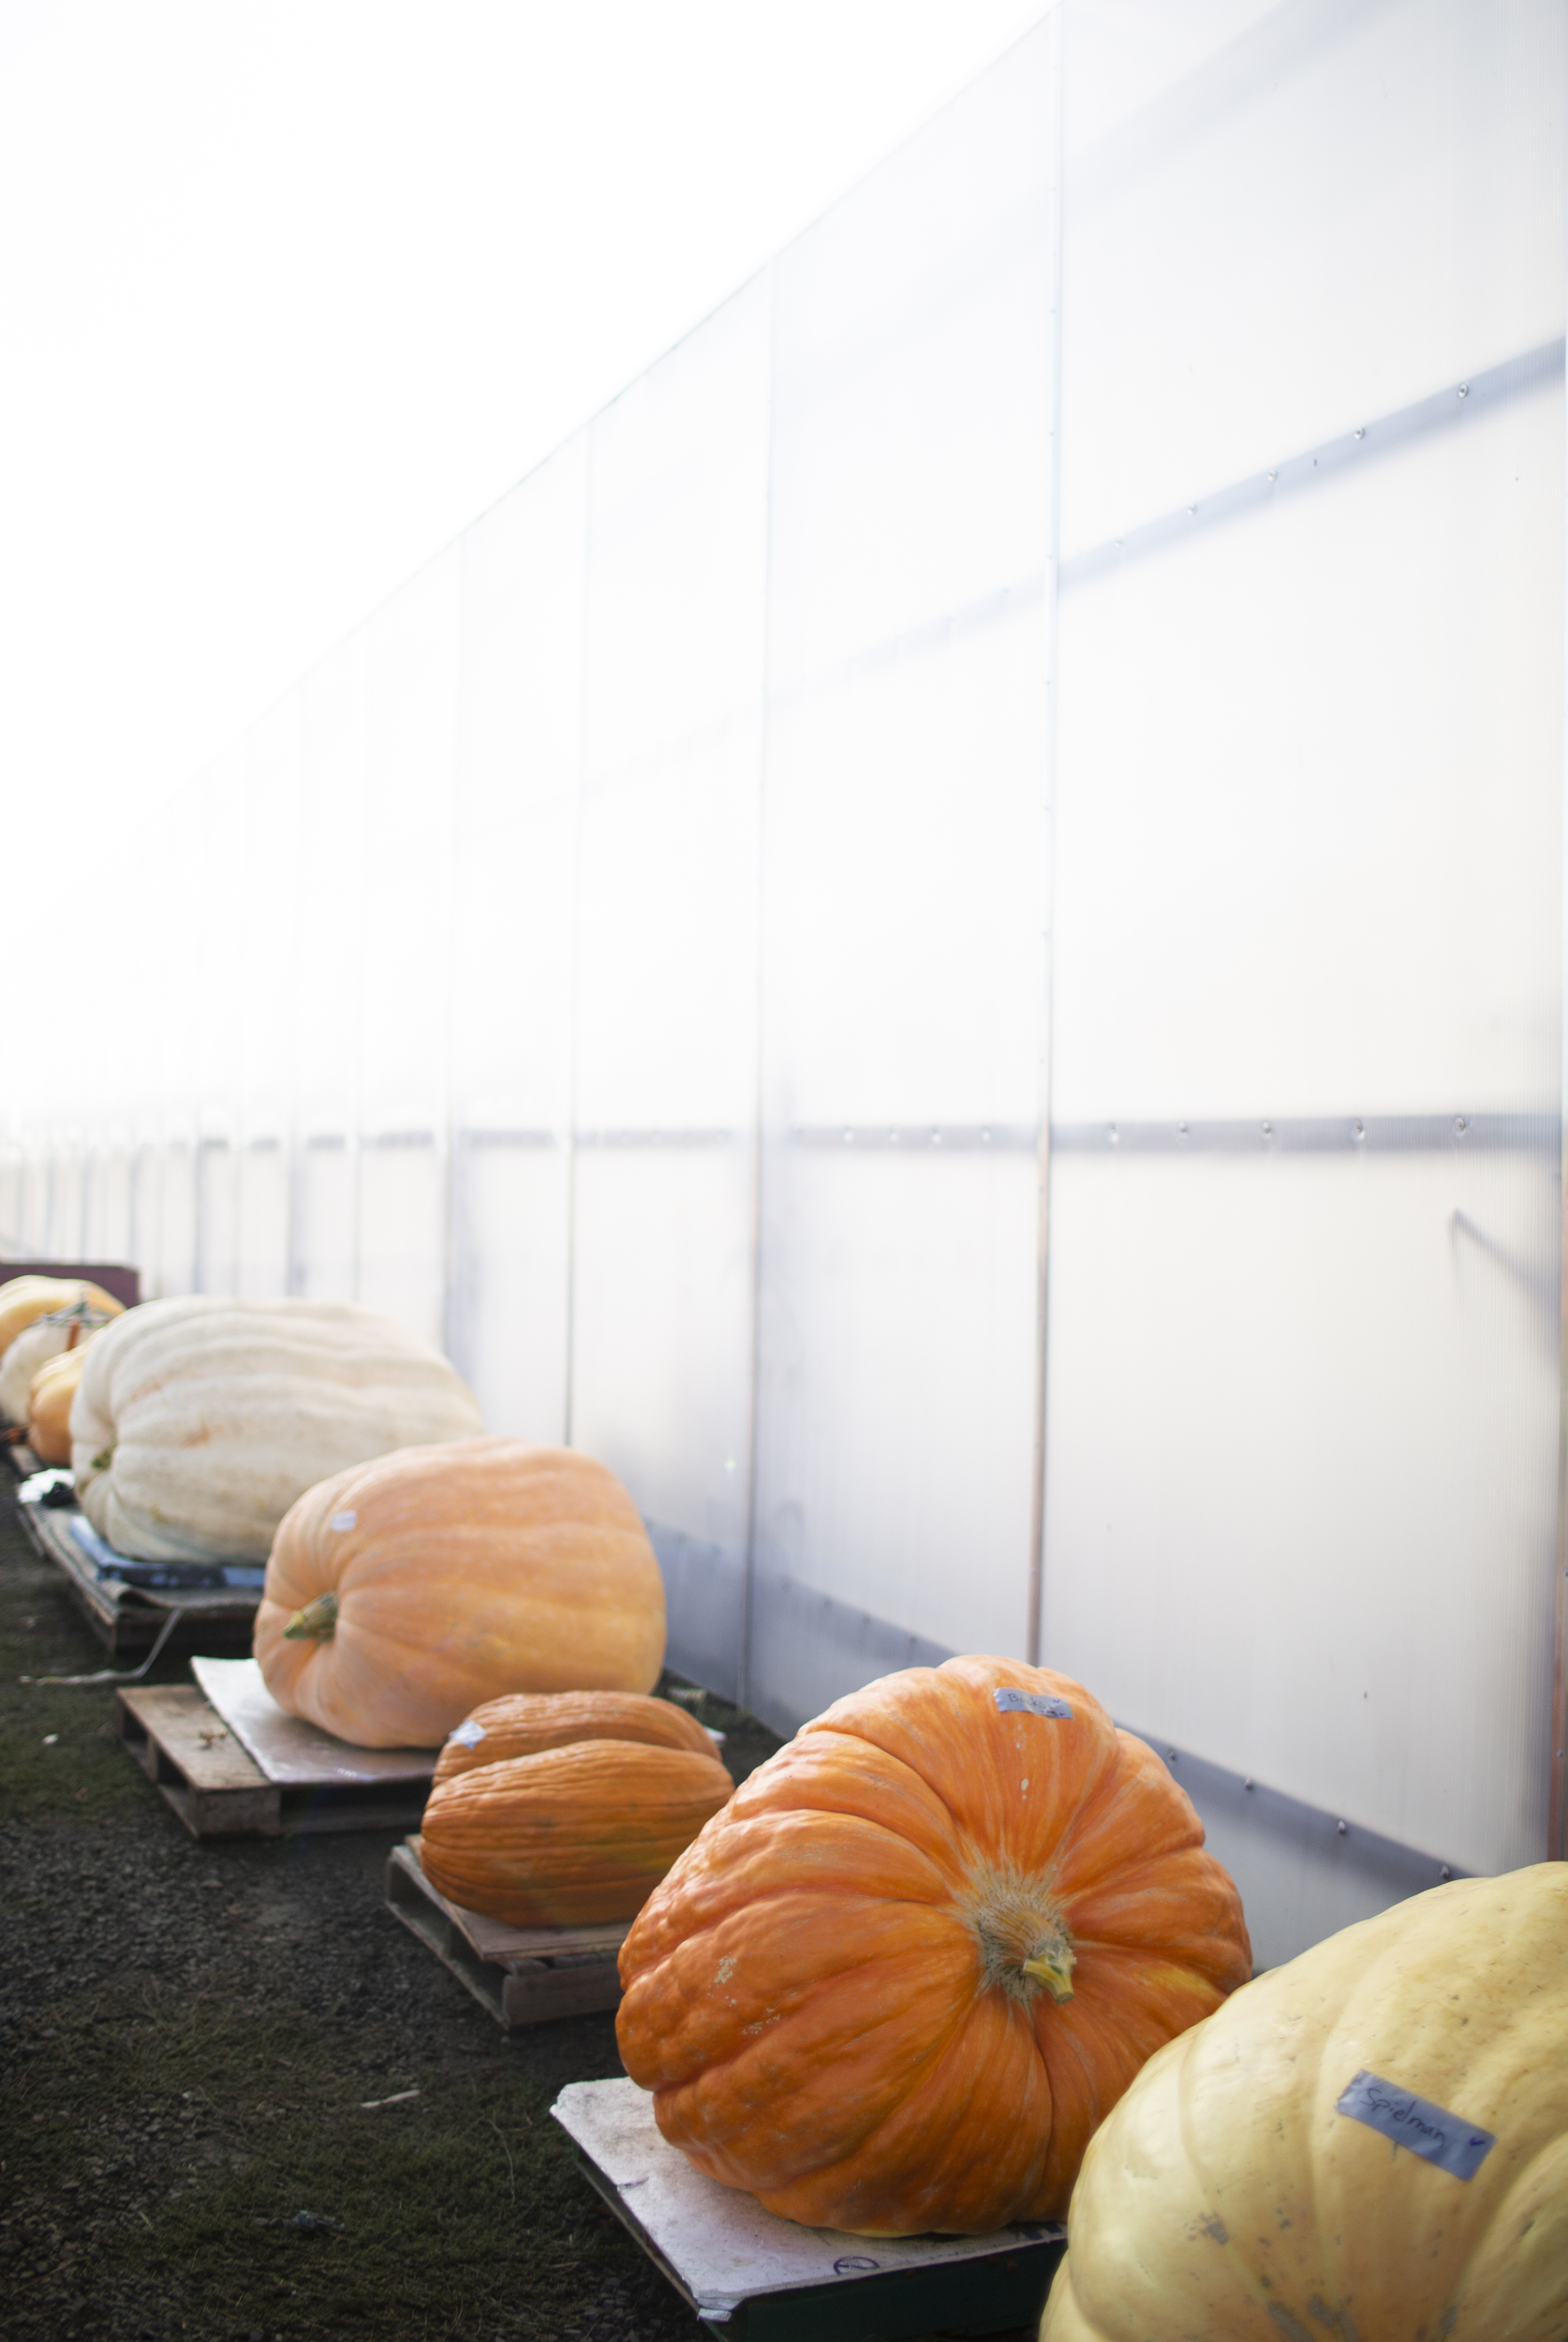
[{"x": 187, "y": 2038}]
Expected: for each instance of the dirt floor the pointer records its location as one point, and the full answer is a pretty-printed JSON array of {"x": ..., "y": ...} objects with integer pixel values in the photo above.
[{"x": 188, "y": 2036}]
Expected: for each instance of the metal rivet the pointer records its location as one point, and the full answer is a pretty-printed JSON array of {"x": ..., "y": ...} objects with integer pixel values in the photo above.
[
  {"x": 1268, "y": 1130},
  {"x": 1343, "y": 1828},
  {"x": 1460, "y": 1125},
  {"x": 1249, "y": 1785},
  {"x": 1274, "y": 475},
  {"x": 1192, "y": 508},
  {"x": 1112, "y": 1136},
  {"x": 1445, "y": 1872},
  {"x": 1361, "y": 435},
  {"x": 1361, "y": 1130},
  {"x": 1173, "y": 1755},
  {"x": 1181, "y": 1129},
  {"x": 1464, "y": 390}
]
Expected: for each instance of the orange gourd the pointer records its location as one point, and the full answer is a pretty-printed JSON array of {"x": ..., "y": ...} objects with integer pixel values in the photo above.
[
  {"x": 898, "y": 1981},
  {"x": 402, "y": 1593},
  {"x": 568, "y": 1837},
  {"x": 524, "y": 1723},
  {"x": 49, "y": 1404}
]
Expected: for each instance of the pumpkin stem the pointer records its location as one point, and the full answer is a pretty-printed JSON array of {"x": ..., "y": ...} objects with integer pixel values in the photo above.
[
  {"x": 317, "y": 1619},
  {"x": 1052, "y": 1966}
]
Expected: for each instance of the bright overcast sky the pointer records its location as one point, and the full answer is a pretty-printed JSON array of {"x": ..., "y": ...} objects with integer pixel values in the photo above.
[{"x": 291, "y": 289}]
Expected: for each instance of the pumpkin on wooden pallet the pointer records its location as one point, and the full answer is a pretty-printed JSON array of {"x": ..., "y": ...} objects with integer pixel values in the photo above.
[
  {"x": 197, "y": 1422},
  {"x": 523, "y": 1722},
  {"x": 1369, "y": 2141},
  {"x": 901, "y": 1980},
  {"x": 571, "y": 1836},
  {"x": 25, "y": 1300},
  {"x": 403, "y": 1593},
  {"x": 50, "y": 1399}
]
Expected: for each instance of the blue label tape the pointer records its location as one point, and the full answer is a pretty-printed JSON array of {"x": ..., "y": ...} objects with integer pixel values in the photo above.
[
  {"x": 1011, "y": 1703},
  {"x": 1428, "y": 2130}
]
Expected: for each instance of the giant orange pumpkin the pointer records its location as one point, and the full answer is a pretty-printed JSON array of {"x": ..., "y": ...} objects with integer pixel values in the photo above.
[
  {"x": 571, "y": 1836},
  {"x": 898, "y": 1981},
  {"x": 524, "y": 1723},
  {"x": 402, "y": 1593}
]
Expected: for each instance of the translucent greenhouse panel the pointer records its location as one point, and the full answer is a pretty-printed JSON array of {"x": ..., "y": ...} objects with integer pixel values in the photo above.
[
  {"x": 1328, "y": 814},
  {"x": 401, "y": 1230},
  {"x": 666, "y": 1022},
  {"x": 411, "y": 665},
  {"x": 12, "y": 1160},
  {"x": 1334, "y": 213},
  {"x": 323, "y": 1218},
  {"x": 1302, "y": 1444},
  {"x": 903, "y": 927},
  {"x": 174, "y": 1234},
  {"x": 263, "y": 950},
  {"x": 217, "y": 1217},
  {"x": 324, "y": 993},
  {"x": 514, "y": 857},
  {"x": 1302, "y": 1358},
  {"x": 66, "y": 1206},
  {"x": 106, "y": 1220},
  {"x": 261, "y": 1239}
]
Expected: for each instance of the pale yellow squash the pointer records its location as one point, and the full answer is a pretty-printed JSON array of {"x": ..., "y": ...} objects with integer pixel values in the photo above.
[{"x": 1228, "y": 2198}]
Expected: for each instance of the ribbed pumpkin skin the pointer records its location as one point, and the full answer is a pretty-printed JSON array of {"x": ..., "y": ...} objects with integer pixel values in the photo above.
[
  {"x": 569, "y": 1837},
  {"x": 827, "y": 1995},
  {"x": 1227, "y": 2199},
  {"x": 524, "y": 1723},
  {"x": 467, "y": 1570},
  {"x": 23, "y": 1298},
  {"x": 49, "y": 1403},
  {"x": 199, "y": 1421},
  {"x": 59, "y": 1334}
]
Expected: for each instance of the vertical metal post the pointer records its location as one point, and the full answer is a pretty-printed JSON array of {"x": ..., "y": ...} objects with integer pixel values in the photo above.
[{"x": 1053, "y": 258}]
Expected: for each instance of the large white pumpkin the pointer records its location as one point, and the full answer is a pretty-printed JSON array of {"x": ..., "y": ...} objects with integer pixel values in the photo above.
[
  {"x": 200, "y": 1421},
  {"x": 36, "y": 1343}
]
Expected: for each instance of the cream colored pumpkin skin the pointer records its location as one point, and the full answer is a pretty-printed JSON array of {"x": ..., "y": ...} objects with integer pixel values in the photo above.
[
  {"x": 1226, "y": 2199},
  {"x": 55, "y": 1335},
  {"x": 24, "y": 1298},
  {"x": 197, "y": 1422},
  {"x": 460, "y": 1573}
]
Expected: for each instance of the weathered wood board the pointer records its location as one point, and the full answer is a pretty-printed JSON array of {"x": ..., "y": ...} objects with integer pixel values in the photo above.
[
  {"x": 217, "y": 1786},
  {"x": 522, "y": 1975}
]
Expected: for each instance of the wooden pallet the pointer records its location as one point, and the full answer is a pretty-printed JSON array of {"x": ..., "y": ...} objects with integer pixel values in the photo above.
[
  {"x": 752, "y": 2276},
  {"x": 219, "y": 1789},
  {"x": 129, "y": 1620},
  {"x": 522, "y": 1975}
]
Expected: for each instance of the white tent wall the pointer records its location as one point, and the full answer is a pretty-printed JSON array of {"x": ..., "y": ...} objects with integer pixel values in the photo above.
[{"x": 943, "y": 939}]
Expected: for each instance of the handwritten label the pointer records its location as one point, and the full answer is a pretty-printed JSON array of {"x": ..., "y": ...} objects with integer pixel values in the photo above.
[
  {"x": 469, "y": 1734},
  {"x": 342, "y": 1520},
  {"x": 1428, "y": 2130},
  {"x": 1011, "y": 1703}
]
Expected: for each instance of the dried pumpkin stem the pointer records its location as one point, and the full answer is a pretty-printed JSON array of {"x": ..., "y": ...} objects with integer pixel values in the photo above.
[
  {"x": 318, "y": 1619},
  {"x": 1052, "y": 1966}
]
